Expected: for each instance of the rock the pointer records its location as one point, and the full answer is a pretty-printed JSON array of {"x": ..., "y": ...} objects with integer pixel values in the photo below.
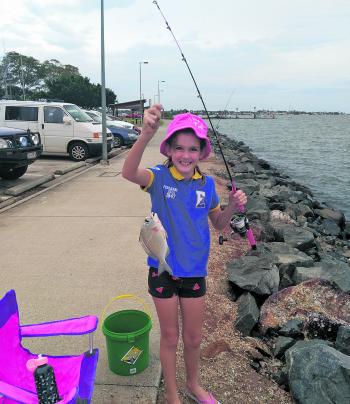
[
  {"x": 328, "y": 268},
  {"x": 276, "y": 194},
  {"x": 242, "y": 167},
  {"x": 318, "y": 326},
  {"x": 281, "y": 345},
  {"x": 296, "y": 237},
  {"x": 342, "y": 342},
  {"x": 335, "y": 215},
  {"x": 248, "y": 186},
  {"x": 281, "y": 217},
  {"x": 318, "y": 373},
  {"x": 257, "y": 208},
  {"x": 329, "y": 227},
  {"x": 281, "y": 206},
  {"x": 282, "y": 253},
  {"x": 280, "y": 376},
  {"x": 248, "y": 314},
  {"x": 314, "y": 296},
  {"x": 254, "y": 274},
  {"x": 293, "y": 328},
  {"x": 286, "y": 275}
]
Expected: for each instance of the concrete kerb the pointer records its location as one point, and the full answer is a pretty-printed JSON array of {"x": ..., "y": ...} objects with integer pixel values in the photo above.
[
  {"x": 67, "y": 169},
  {"x": 21, "y": 188}
]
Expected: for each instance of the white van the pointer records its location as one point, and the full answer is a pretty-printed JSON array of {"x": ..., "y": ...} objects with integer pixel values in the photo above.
[{"x": 64, "y": 128}]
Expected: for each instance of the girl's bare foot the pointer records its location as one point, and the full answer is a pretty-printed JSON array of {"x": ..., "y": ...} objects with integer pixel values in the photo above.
[{"x": 197, "y": 391}]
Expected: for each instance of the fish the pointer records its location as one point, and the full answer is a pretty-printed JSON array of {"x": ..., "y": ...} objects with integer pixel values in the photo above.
[{"x": 153, "y": 239}]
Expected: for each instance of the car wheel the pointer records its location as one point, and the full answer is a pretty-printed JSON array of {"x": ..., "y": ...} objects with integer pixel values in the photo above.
[
  {"x": 13, "y": 173},
  {"x": 118, "y": 141},
  {"x": 78, "y": 151}
]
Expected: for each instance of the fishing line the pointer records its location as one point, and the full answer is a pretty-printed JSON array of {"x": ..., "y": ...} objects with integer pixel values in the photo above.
[
  {"x": 199, "y": 93},
  {"x": 228, "y": 101}
]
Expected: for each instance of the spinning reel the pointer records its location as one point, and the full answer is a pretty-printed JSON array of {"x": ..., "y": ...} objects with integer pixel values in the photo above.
[{"x": 240, "y": 224}]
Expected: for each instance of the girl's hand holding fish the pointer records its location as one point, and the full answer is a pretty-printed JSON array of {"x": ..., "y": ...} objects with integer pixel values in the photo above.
[{"x": 151, "y": 121}]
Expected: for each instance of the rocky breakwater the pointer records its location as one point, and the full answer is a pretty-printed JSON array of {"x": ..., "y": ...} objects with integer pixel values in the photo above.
[{"x": 293, "y": 291}]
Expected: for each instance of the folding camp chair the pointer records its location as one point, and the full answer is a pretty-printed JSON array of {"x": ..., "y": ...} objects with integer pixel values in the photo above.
[{"x": 74, "y": 374}]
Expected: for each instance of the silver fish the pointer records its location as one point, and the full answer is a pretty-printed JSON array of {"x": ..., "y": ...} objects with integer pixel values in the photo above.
[{"x": 153, "y": 240}]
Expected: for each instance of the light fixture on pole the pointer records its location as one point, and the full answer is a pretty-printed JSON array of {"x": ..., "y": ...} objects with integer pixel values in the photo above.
[
  {"x": 141, "y": 103},
  {"x": 159, "y": 81}
]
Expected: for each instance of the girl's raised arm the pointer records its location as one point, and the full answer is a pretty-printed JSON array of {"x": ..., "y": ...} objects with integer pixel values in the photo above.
[{"x": 131, "y": 170}]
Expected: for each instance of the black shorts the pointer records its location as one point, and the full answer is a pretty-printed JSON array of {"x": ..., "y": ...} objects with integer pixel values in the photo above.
[{"x": 165, "y": 285}]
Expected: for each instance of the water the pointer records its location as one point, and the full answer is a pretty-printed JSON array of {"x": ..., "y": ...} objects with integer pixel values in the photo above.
[{"x": 313, "y": 150}]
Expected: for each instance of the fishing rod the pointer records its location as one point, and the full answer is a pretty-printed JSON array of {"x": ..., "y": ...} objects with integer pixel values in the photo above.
[{"x": 239, "y": 223}]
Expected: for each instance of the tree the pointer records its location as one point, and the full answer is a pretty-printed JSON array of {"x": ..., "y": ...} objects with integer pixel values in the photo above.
[
  {"x": 21, "y": 75},
  {"x": 78, "y": 90},
  {"x": 24, "y": 77}
]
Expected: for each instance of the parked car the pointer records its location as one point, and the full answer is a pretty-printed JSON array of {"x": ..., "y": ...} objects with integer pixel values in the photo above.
[
  {"x": 125, "y": 124},
  {"x": 18, "y": 149},
  {"x": 111, "y": 120},
  {"x": 122, "y": 136},
  {"x": 64, "y": 128}
]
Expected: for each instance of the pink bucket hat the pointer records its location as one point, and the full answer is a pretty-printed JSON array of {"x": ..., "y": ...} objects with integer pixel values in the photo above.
[{"x": 188, "y": 121}]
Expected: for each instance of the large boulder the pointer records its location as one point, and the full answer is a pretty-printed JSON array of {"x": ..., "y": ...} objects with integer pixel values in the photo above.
[
  {"x": 302, "y": 301},
  {"x": 335, "y": 215},
  {"x": 328, "y": 268},
  {"x": 318, "y": 373},
  {"x": 248, "y": 186},
  {"x": 257, "y": 208},
  {"x": 282, "y": 253},
  {"x": 329, "y": 227},
  {"x": 254, "y": 274},
  {"x": 297, "y": 237}
]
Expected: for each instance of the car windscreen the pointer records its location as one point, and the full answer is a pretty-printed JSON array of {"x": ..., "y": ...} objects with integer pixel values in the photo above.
[
  {"x": 77, "y": 114},
  {"x": 95, "y": 117}
]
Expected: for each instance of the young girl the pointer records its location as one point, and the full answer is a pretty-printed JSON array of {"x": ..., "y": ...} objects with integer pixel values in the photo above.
[{"x": 183, "y": 198}]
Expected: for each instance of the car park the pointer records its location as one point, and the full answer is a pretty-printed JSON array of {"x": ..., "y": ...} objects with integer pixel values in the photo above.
[
  {"x": 122, "y": 136},
  {"x": 18, "y": 149},
  {"x": 64, "y": 128}
]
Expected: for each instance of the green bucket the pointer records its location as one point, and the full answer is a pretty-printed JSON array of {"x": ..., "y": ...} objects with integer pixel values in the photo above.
[{"x": 127, "y": 339}]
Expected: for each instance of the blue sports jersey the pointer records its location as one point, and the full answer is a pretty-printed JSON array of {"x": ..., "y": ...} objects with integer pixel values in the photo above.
[{"x": 183, "y": 206}]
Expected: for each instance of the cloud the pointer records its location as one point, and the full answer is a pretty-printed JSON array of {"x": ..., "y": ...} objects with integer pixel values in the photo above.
[{"x": 268, "y": 51}]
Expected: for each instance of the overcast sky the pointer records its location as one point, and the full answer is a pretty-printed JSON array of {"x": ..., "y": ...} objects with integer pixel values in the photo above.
[{"x": 272, "y": 54}]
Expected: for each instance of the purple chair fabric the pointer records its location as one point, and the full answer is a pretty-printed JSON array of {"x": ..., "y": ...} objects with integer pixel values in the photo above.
[{"x": 74, "y": 374}]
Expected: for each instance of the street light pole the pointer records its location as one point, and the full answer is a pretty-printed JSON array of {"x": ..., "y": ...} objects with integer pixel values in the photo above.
[
  {"x": 141, "y": 104},
  {"x": 103, "y": 91},
  {"x": 159, "y": 81}
]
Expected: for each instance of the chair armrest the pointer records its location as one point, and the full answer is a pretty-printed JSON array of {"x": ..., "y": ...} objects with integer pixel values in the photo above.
[
  {"x": 71, "y": 326},
  {"x": 18, "y": 394}
]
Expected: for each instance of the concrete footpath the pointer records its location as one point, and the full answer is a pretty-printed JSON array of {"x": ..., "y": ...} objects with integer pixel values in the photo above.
[{"x": 69, "y": 250}]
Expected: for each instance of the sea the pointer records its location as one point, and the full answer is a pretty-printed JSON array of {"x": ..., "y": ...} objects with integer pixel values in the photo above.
[{"x": 313, "y": 150}]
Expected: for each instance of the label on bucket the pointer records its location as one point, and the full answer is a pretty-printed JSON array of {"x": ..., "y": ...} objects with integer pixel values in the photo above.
[{"x": 132, "y": 355}]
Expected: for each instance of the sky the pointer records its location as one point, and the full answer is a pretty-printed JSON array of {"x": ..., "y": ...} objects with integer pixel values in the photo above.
[{"x": 267, "y": 54}]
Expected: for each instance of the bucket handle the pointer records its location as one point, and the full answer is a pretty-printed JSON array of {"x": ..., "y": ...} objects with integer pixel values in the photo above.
[{"x": 126, "y": 296}]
